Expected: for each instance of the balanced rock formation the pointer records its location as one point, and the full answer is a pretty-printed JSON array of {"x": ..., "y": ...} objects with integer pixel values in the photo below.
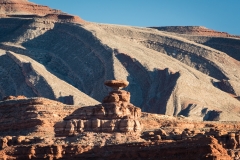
[{"x": 115, "y": 114}]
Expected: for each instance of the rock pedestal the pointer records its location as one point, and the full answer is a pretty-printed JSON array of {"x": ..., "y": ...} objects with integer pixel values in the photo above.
[{"x": 115, "y": 114}]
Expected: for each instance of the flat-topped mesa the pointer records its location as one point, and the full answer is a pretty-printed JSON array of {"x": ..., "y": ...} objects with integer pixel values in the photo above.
[
  {"x": 26, "y": 9},
  {"x": 23, "y": 7},
  {"x": 193, "y": 30}
]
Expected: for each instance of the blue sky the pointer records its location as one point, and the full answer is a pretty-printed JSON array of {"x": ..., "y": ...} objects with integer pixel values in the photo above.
[{"x": 220, "y": 15}]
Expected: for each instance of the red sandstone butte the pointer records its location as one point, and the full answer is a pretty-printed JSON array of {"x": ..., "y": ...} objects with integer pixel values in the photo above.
[{"x": 23, "y": 8}]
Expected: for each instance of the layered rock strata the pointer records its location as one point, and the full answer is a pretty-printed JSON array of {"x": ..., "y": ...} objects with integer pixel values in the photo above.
[
  {"x": 193, "y": 30},
  {"x": 115, "y": 114},
  {"x": 25, "y": 9},
  {"x": 108, "y": 131},
  {"x": 24, "y": 116},
  {"x": 204, "y": 148}
]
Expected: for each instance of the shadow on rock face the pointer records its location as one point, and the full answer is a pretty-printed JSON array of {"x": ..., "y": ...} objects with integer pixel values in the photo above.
[
  {"x": 150, "y": 89},
  {"x": 206, "y": 114}
]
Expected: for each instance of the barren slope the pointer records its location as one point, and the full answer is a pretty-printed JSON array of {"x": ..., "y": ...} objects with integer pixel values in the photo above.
[
  {"x": 189, "y": 89},
  {"x": 20, "y": 75},
  {"x": 169, "y": 73}
]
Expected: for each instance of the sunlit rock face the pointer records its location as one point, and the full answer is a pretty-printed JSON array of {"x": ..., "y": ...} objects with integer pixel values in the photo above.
[
  {"x": 115, "y": 114},
  {"x": 24, "y": 7}
]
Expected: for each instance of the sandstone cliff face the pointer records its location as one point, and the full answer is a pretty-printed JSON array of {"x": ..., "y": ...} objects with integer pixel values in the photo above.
[
  {"x": 31, "y": 116},
  {"x": 30, "y": 130},
  {"x": 206, "y": 148},
  {"x": 24, "y": 7}
]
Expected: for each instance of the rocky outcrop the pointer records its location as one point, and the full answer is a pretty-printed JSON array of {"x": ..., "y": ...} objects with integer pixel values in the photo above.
[
  {"x": 64, "y": 18},
  {"x": 14, "y": 97},
  {"x": 115, "y": 129},
  {"x": 115, "y": 114},
  {"x": 193, "y": 30},
  {"x": 204, "y": 148},
  {"x": 26, "y": 116},
  {"x": 228, "y": 140},
  {"x": 25, "y": 9}
]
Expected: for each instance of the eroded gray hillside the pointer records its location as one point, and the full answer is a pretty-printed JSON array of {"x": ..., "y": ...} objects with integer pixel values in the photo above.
[{"x": 169, "y": 73}]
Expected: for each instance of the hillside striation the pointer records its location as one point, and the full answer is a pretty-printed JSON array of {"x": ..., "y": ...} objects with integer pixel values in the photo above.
[{"x": 188, "y": 71}]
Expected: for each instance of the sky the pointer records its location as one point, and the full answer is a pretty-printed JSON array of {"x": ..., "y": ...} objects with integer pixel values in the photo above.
[{"x": 220, "y": 15}]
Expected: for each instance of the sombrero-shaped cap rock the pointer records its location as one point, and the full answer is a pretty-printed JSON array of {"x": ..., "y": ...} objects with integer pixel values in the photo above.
[{"x": 116, "y": 84}]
